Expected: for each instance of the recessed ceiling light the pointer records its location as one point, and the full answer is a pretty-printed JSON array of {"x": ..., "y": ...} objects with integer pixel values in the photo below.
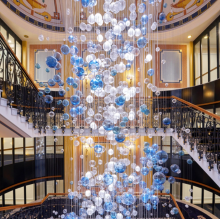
[
  {"x": 26, "y": 36},
  {"x": 189, "y": 36},
  {"x": 206, "y": 37}
]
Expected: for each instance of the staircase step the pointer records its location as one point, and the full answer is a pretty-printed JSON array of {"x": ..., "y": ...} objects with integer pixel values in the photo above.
[
  {"x": 14, "y": 111},
  {"x": 30, "y": 125},
  {"x": 3, "y": 102},
  {"x": 23, "y": 119}
]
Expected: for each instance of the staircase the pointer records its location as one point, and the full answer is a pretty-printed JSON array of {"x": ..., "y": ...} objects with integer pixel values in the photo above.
[{"x": 23, "y": 113}]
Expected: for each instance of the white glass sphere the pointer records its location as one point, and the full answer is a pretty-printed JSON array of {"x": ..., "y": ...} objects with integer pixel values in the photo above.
[
  {"x": 89, "y": 99},
  {"x": 99, "y": 38}
]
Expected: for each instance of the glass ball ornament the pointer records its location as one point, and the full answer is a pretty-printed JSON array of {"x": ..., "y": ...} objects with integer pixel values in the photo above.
[
  {"x": 141, "y": 42},
  {"x": 166, "y": 121},
  {"x": 171, "y": 180},
  {"x": 175, "y": 168}
]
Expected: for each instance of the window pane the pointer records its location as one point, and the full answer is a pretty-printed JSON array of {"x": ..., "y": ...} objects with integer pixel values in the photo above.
[
  {"x": 197, "y": 196},
  {"x": 11, "y": 42},
  {"x": 204, "y": 48},
  {"x": 217, "y": 206},
  {"x": 40, "y": 189},
  {"x": 59, "y": 186},
  {"x": 197, "y": 63},
  {"x": 18, "y": 51},
  {"x": 50, "y": 147},
  {"x": 7, "y": 151},
  {"x": 185, "y": 190},
  {"x": 29, "y": 149},
  {"x": 40, "y": 154},
  {"x": 176, "y": 190},
  {"x": 30, "y": 193},
  {"x": 213, "y": 54},
  {"x": 19, "y": 150},
  {"x": 9, "y": 198},
  {"x": 4, "y": 32},
  {"x": 208, "y": 200},
  {"x": 166, "y": 144},
  {"x": 19, "y": 196},
  {"x": 50, "y": 186},
  {"x": 59, "y": 147},
  {"x": 0, "y": 201}
]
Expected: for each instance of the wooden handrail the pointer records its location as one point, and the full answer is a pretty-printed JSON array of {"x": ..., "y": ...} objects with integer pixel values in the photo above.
[
  {"x": 27, "y": 181},
  {"x": 26, "y": 74},
  {"x": 64, "y": 194},
  {"x": 197, "y": 108},
  {"x": 201, "y": 184}
]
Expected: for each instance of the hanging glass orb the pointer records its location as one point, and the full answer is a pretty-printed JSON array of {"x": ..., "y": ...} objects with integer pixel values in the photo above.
[
  {"x": 161, "y": 156},
  {"x": 75, "y": 99},
  {"x": 166, "y": 121},
  {"x": 48, "y": 99},
  {"x": 175, "y": 168},
  {"x": 120, "y": 167},
  {"x": 51, "y": 82},
  {"x": 171, "y": 180},
  {"x": 107, "y": 179},
  {"x": 162, "y": 16},
  {"x": 141, "y": 42},
  {"x": 94, "y": 66},
  {"x": 150, "y": 72},
  {"x": 108, "y": 125},
  {"x": 51, "y": 61},
  {"x": 120, "y": 137},
  {"x": 73, "y": 112},
  {"x": 98, "y": 148},
  {"x": 159, "y": 178},
  {"x": 189, "y": 161},
  {"x": 65, "y": 49},
  {"x": 144, "y": 19},
  {"x": 181, "y": 153},
  {"x": 144, "y": 171},
  {"x": 62, "y": 92},
  {"x": 37, "y": 65},
  {"x": 56, "y": 78},
  {"x": 120, "y": 100}
]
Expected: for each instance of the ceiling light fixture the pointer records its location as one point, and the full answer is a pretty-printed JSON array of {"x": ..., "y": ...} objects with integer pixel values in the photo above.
[{"x": 189, "y": 36}]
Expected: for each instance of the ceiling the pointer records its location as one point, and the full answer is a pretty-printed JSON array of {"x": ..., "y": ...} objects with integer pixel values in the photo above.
[{"x": 178, "y": 35}]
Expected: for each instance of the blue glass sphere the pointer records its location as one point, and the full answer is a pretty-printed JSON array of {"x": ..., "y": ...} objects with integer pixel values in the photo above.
[
  {"x": 47, "y": 90},
  {"x": 73, "y": 112},
  {"x": 78, "y": 62},
  {"x": 41, "y": 84},
  {"x": 175, "y": 210},
  {"x": 162, "y": 16},
  {"x": 150, "y": 72},
  {"x": 155, "y": 147},
  {"x": 79, "y": 110},
  {"x": 167, "y": 191},
  {"x": 80, "y": 72},
  {"x": 107, "y": 179},
  {"x": 59, "y": 102},
  {"x": 40, "y": 93},
  {"x": 127, "y": 199},
  {"x": 171, "y": 180},
  {"x": 47, "y": 70},
  {"x": 122, "y": 124},
  {"x": 145, "y": 197},
  {"x": 51, "y": 82},
  {"x": 54, "y": 128},
  {"x": 62, "y": 92},
  {"x": 37, "y": 65},
  {"x": 189, "y": 161},
  {"x": 74, "y": 50},
  {"x": 51, "y": 61},
  {"x": 108, "y": 206},
  {"x": 161, "y": 156},
  {"x": 120, "y": 137},
  {"x": 144, "y": 18},
  {"x": 165, "y": 5},
  {"x": 159, "y": 178},
  {"x": 113, "y": 215},
  {"x": 58, "y": 66},
  {"x": 75, "y": 99},
  {"x": 113, "y": 72},
  {"x": 159, "y": 187},
  {"x": 65, "y": 117},
  {"x": 48, "y": 99},
  {"x": 98, "y": 148},
  {"x": 154, "y": 200},
  {"x": 125, "y": 183},
  {"x": 116, "y": 130},
  {"x": 65, "y": 49},
  {"x": 141, "y": 42},
  {"x": 166, "y": 121},
  {"x": 71, "y": 39},
  {"x": 120, "y": 100},
  {"x": 61, "y": 83},
  {"x": 118, "y": 199},
  {"x": 158, "y": 168},
  {"x": 56, "y": 78},
  {"x": 128, "y": 66},
  {"x": 65, "y": 102},
  {"x": 85, "y": 181},
  {"x": 148, "y": 206},
  {"x": 175, "y": 168},
  {"x": 143, "y": 161},
  {"x": 120, "y": 167},
  {"x": 108, "y": 125},
  {"x": 181, "y": 153},
  {"x": 70, "y": 81},
  {"x": 96, "y": 84},
  {"x": 94, "y": 66},
  {"x": 73, "y": 59},
  {"x": 165, "y": 170},
  {"x": 58, "y": 56}
]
